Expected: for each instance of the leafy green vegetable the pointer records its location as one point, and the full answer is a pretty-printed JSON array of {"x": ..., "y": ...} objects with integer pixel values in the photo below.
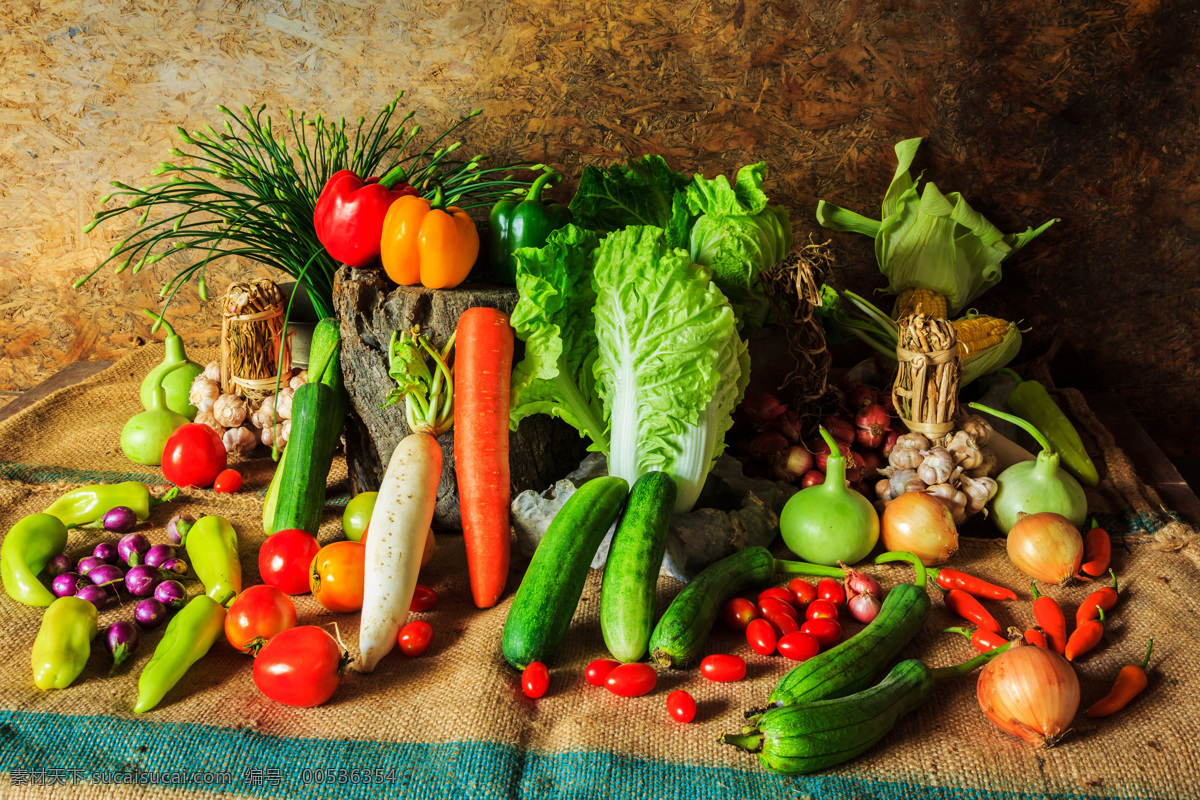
[
  {"x": 671, "y": 365},
  {"x": 931, "y": 240},
  {"x": 641, "y": 192}
]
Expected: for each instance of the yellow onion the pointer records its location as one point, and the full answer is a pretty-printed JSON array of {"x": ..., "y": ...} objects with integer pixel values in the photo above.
[
  {"x": 1030, "y": 692},
  {"x": 1046, "y": 547},
  {"x": 922, "y": 525}
]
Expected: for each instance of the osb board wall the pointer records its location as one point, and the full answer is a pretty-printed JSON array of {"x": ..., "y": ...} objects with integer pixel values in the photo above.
[{"x": 1084, "y": 111}]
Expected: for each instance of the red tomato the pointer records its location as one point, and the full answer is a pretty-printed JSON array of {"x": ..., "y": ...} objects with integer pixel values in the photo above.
[
  {"x": 821, "y": 609},
  {"x": 803, "y": 591},
  {"x": 193, "y": 456},
  {"x": 831, "y": 590},
  {"x": 723, "y": 668},
  {"x": 256, "y": 615},
  {"x": 782, "y": 623},
  {"x": 738, "y": 613},
  {"x": 779, "y": 593},
  {"x": 300, "y": 667},
  {"x": 681, "y": 705},
  {"x": 415, "y": 637},
  {"x": 798, "y": 646},
  {"x": 535, "y": 680},
  {"x": 284, "y": 559},
  {"x": 598, "y": 670},
  {"x": 770, "y": 605},
  {"x": 336, "y": 576},
  {"x": 424, "y": 599},
  {"x": 761, "y": 636},
  {"x": 631, "y": 680},
  {"x": 827, "y": 632},
  {"x": 228, "y": 482}
]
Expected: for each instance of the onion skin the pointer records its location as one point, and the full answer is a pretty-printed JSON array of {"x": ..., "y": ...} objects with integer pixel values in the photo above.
[
  {"x": 920, "y": 524},
  {"x": 1030, "y": 692},
  {"x": 1047, "y": 547}
]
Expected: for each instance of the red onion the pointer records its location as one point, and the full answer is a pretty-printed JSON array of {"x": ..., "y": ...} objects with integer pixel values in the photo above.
[
  {"x": 871, "y": 426},
  {"x": 888, "y": 404},
  {"x": 859, "y": 394},
  {"x": 812, "y": 478},
  {"x": 96, "y": 595},
  {"x": 762, "y": 409},
  {"x": 105, "y": 574},
  {"x": 133, "y": 547},
  {"x": 816, "y": 446},
  {"x": 789, "y": 425},
  {"x": 122, "y": 639},
  {"x": 59, "y": 565},
  {"x": 120, "y": 520},
  {"x": 889, "y": 443},
  {"x": 171, "y": 594},
  {"x": 791, "y": 464},
  {"x": 871, "y": 462},
  {"x": 87, "y": 564},
  {"x": 150, "y": 613},
  {"x": 141, "y": 580},
  {"x": 860, "y": 486},
  {"x": 159, "y": 553},
  {"x": 864, "y": 608},
  {"x": 840, "y": 429},
  {"x": 822, "y": 459},
  {"x": 862, "y": 583},
  {"x": 178, "y": 527},
  {"x": 766, "y": 445},
  {"x": 67, "y": 584},
  {"x": 106, "y": 552}
]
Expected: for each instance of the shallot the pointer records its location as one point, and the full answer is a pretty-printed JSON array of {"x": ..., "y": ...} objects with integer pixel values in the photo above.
[
  {"x": 1029, "y": 692},
  {"x": 872, "y": 424},
  {"x": 864, "y": 607},
  {"x": 791, "y": 464}
]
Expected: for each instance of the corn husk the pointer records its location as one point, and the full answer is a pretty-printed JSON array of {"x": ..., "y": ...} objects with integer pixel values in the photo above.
[{"x": 987, "y": 361}]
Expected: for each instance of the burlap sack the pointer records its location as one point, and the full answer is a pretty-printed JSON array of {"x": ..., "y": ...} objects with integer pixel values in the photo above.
[{"x": 454, "y": 722}]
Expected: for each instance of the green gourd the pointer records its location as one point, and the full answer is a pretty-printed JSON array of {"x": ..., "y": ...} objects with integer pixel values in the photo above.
[
  {"x": 145, "y": 435},
  {"x": 830, "y": 523},
  {"x": 1031, "y": 487},
  {"x": 178, "y": 386}
]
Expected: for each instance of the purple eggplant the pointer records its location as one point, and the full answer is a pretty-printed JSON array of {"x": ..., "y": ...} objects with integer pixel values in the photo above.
[
  {"x": 120, "y": 520},
  {"x": 96, "y": 595},
  {"x": 150, "y": 613},
  {"x": 133, "y": 547},
  {"x": 175, "y": 565},
  {"x": 60, "y": 565},
  {"x": 105, "y": 574},
  {"x": 87, "y": 564},
  {"x": 178, "y": 527},
  {"x": 141, "y": 580},
  {"x": 159, "y": 553},
  {"x": 171, "y": 594},
  {"x": 68, "y": 583},
  {"x": 106, "y": 552},
  {"x": 122, "y": 639}
]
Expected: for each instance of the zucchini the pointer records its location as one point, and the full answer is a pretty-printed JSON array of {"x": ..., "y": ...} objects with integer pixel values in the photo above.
[
  {"x": 545, "y": 602},
  {"x": 631, "y": 572},
  {"x": 679, "y": 637}
]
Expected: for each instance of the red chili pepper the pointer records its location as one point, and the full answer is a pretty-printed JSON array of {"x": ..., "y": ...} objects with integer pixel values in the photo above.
[
  {"x": 970, "y": 609},
  {"x": 1104, "y": 598},
  {"x": 349, "y": 213},
  {"x": 1037, "y": 638},
  {"x": 983, "y": 640},
  {"x": 1050, "y": 619},
  {"x": 953, "y": 579},
  {"x": 1097, "y": 551},
  {"x": 1131, "y": 680},
  {"x": 1085, "y": 638}
]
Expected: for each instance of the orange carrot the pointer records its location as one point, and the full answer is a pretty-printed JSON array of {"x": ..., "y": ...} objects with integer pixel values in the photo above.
[{"x": 482, "y": 369}]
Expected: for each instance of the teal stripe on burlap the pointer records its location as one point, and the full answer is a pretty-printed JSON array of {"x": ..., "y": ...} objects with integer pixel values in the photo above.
[{"x": 37, "y": 747}]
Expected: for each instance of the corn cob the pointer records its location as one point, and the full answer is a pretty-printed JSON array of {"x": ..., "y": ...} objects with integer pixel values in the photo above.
[
  {"x": 976, "y": 334},
  {"x": 921, "y": 301}
]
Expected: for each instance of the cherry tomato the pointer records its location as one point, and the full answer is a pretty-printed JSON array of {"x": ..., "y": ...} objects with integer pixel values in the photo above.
[
  {"x": 738, "y": 612},
  {"x": 193, "y": 456},
  {"x": 631, "y": 680},
  {"x": 803, "y": 591},
  {"x": 771, "y": 605},
  {"x": 228, "y": 482},
  {"x": 681, "y": 706},
  {"x": 424, "y": 599},
  {"x": 598, "y": 670},
  {"x": 335, "y": 576},
  {"x": 357, "y": 515},
  {"x": 798, "y": 646},
  {"x": 821, "y": 609},
  {"x": 761, "y": 636},
  {"x": 300, "y": 667},
  {"x": 256, "y": 615},
  {"x": 831, "y": 590},
  {"x": 782, "y": 623},
  {"x": 415, "y": 637},
  {"x": 284, "y": 559},
  {"x": 535, "y": 680},
  {"x": 723, "y": 668},
  {"x": 827, "y": 632},
  {"x": 779, "y": 593}
]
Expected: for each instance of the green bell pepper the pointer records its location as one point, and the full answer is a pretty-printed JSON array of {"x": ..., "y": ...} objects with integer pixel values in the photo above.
[
  {"x": 212, "y": 548},
  {"x": 1031, "y": 400},
  {"x": 187, "y": 639},
  {"x": 87, "y": 505},
  {"x": 516, "y": 223},
  {"x": 26, "y": 550},
  {"x": 63, "y": 643}
]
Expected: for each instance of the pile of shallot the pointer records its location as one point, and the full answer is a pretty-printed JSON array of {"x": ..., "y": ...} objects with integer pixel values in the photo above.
[{"x": 244, "y": 424}]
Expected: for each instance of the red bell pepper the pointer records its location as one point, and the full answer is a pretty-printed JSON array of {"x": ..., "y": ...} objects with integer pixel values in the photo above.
[{"x": 349, "y": 214}]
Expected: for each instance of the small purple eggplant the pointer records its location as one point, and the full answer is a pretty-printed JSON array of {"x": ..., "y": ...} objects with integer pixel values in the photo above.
[
  {"x": 122, "y": 639},
  {"x": 120, "y": 520},
  {"x": 60, "y": 565},
  {"x": 67, "y": 584},
  {"x": 159, "y": 553},
  {"x": 178, "y": 527},
  {"x": 175, "y": 565},
  {"x": 150, "y": 613},
  {"x": 106, "y": 552},
  {"x": 87, "y": 564},
  {"x": 133, "y": 547},
  {"x": 141, "y": 580},
  {"x": 105, "y": 574},
  {"x": 171, "y": 594},
  {"x": 96, "y": 595}
]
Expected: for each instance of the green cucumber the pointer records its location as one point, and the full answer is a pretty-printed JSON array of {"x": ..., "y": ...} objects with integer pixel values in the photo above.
[
  {"x": 679, "y": 637},
  {"x": 631, "y": 572},
  {"x": 545, "y": 602}
]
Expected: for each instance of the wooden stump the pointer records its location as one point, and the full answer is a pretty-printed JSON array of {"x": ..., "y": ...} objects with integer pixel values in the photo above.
[{"x": 541, "y": 450}]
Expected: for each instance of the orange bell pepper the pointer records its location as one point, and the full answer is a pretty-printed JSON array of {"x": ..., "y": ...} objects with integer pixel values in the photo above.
[{"x": 426, "y": 242}]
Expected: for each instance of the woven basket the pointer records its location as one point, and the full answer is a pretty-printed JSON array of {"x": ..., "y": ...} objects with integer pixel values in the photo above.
[
  {"x": 926, "y": 389},
  {"x": 252, "y": 336}
]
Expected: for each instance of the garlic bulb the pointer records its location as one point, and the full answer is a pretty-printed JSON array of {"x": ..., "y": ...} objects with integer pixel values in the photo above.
[
  {"x": 936, "y": 466},
  {"x": 883, "y": 490},
  {"x": 204, "y": 393},
  {"x": 987, "y": 464},
  {"x": 965, "y": 451},
  {"x": 240, "y": 441},
  {"x": 264, "y": 415},
  {"x": 213, "y": 371},
  {"x": 907, "y": 452},
  {"x": 283, "y": 403},
  {"x": 952, "y": 498},
  {"x": 299, "y": 380},
  {"x": 905, "y": 480},
  {"x": 276, "y": 435},
  {"x": 979, "y": 491},
  {"x": 230, "y": 410},
  {"x": 207, "y": 418},
  {"x": 977, "y": 428}
]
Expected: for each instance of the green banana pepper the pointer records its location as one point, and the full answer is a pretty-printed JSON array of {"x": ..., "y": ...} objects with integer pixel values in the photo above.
[
  {"x": 187, "y": 639},
  {"x": 87, "y": 505},
  {"x": 516, "y": 223},
  {"x": 1031, "y": 401},
  {"x": 26, "y": 550},
  {"x": 63, "y": 643},
  {"x": 212, "y": 548}
]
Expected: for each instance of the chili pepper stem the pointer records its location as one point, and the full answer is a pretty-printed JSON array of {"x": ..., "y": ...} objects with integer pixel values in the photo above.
[
  {"x": 751, "y": 743},
  {"x": 967, "y": 667}
]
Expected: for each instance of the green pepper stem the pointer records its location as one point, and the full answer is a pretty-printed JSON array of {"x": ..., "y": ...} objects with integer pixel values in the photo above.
[
  {"x": 535, "y": 191},
  {"x": 804, "y": 568},
  {"x": 1146, "y": 660},
  {"x": 967, "y": 667},
  {"x": 1019, "y": 422},
  {"x": 751, "y": 743},
  {"x": 396, "y": 175},
  {"x": 170, "y": 495},
  {"x": 438, "y": 201},
  {"x": 1011, "y": 374},
  {"x": 902, "y": 555}
]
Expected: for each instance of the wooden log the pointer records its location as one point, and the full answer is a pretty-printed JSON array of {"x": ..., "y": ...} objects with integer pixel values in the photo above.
[{"x": 370, "y": 307}]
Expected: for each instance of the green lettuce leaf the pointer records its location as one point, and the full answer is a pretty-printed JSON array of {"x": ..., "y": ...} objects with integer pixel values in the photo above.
[
  {"x": 671, "y": 365},
  {"x": 641, "y": 192}
]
